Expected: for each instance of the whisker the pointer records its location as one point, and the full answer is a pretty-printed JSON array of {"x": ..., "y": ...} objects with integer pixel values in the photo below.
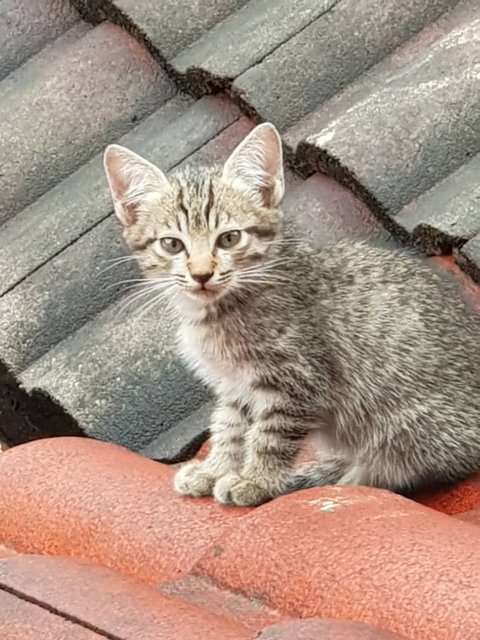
[
  {"x": 131, "y": 299},
  {"x": 142, "y": 282},
  {"x": 148, "y": 306},
  {"x": 116, "y": 262}
]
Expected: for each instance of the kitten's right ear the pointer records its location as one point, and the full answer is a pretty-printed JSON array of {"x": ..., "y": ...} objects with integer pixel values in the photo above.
[{"x": 134, "y": 182}]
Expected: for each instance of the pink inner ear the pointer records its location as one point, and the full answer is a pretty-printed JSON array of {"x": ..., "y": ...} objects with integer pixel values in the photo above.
[
  {"x": 115, "y": 166},
  {"x": 256, "y": 166}
]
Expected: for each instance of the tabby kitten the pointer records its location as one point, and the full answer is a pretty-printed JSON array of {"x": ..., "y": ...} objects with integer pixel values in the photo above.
[{"x": 365, "y": 347}]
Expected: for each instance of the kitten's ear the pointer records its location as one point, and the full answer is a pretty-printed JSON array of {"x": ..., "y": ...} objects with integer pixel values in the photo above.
[
  {"x": 134, "y": 182},
  {"x": 256, "y": 167}
]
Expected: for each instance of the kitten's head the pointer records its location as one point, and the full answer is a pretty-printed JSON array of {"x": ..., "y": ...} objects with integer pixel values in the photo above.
[{"x": 203, "y": 232}]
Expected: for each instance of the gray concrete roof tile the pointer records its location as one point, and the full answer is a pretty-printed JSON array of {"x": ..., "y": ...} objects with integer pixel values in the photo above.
[
  {"x": 170, "y": 25},
  {"x": 350, "y": 37},
  {"x": 84, "y": 200},
  {"x": 448, "y": 215},
  {"x": 26, "y": 26},
  {"x": 118, "y": 375},
  {"x": 468, "y": 257},
  {"x": 183, "y": 440},
  {"x": 387, "y": 94},
  {"x": 259, "y": 27},
  {"x": 394, "y": 140},
  {"x": 64, "y": 103}
]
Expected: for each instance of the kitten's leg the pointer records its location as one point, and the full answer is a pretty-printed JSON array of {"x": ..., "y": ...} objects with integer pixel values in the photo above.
[
  {"x": 271, "y": 445},
  {"x": 227, "y": 431},
  {"x": 335, "y": 470}
]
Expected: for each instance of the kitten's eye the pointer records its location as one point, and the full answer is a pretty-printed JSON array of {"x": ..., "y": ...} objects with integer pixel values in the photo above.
[
  {"x": 172, "y": 245},
  {"x": 228, "y": 239}
]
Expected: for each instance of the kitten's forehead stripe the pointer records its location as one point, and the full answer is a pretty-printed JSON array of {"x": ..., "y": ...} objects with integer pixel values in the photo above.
[
  {"x": 209, "y": 204},
  {"x": 181, "y": 204}
]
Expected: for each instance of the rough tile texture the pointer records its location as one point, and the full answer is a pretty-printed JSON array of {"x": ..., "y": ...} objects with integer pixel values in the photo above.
[
  {"x": 28, "y": 416},
  {"x": 71, "y": 119},
  {"x": 287, "y": 569},
  {"x": 326, "y": 630},
  {"x": 410, "y": 123},
  {"x": 446, "y": 216},
  {"x": 259, "y": 27},
  {"x": 111, "y": 603},
  {"x": 169, "y": 25},
  {"x": 327, "y": 55},
  {"x": 468, "y": 257},
  {"x": 26, "y": 26},
  {"x": 383, "y": 98},
  {"x": 23, "y": 620}
]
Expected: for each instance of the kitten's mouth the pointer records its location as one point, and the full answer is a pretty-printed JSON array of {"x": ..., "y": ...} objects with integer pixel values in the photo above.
[{"x": 204, "y": 293}]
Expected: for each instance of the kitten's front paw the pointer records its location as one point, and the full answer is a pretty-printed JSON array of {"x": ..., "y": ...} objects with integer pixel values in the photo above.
[
  {"x": 232, "y": 489},
  {"x": 193, "y": 479}
]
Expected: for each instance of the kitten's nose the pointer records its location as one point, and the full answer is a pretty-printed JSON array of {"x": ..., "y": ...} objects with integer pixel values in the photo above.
[{"x": 202, "y": 278}]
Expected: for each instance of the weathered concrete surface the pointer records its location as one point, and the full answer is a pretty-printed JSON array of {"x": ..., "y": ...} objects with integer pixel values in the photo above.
[
  {"x": 244, "y": 38},
  {"x": 333, "y": 51},
  {"x": 54, "y": 114},
  {"x": 26, "y": 26},
  {"x": 169, "y": 25},
  {"x": 448, "y": 215},
  {"x": 394, "y": 135}
]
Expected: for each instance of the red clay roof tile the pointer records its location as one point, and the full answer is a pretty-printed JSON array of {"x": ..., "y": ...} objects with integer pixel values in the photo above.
[
  {"x": 99, "y": 502},
  {"x": 112, "y": 603},
  {"x": 351, "y": 553}
]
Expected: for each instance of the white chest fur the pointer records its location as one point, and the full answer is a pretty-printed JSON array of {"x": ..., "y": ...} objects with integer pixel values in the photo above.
[{"x": 205, "y": 352}]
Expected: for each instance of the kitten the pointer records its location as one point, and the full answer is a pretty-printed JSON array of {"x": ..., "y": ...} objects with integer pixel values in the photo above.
[{"x": 365, "y": 347}]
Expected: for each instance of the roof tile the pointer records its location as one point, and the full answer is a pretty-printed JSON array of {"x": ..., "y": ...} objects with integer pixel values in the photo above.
[
  {"x": 26, "y": 26},
  {"x": 291, "y": 557},
  {"x": 259, "y": 27},
  {"x": 170, "y": 25},
  {"x": 98, "y": 502},
  {"x": 350, "y": 37},
  {"x": 468, "y": 257},
  {"x": 249, "y": 611},
  {"x": 83, "y": 198},
  {"x": 380, "y": 113},
  {"x": 71, "y": 119},
  {"x": 445, "y": 217},
  {"x": 455, "y": 500},
  {"x": 326, "y": 630},
  {"x": 111, "y": 603},
  {"x": 23, "y": 620},
  {"x": 324, "y": 212},
  {"x": 354, "y": 553},
  {"x": 472, "y": 516}
]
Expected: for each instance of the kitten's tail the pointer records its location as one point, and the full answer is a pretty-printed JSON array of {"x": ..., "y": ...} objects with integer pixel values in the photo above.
[{"x": 319, "y": 474}]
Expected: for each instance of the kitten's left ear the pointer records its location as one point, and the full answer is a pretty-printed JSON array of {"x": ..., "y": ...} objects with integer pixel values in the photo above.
[
  {"x": 255, "y": 168},
  {"x": 134, "y": 182}
]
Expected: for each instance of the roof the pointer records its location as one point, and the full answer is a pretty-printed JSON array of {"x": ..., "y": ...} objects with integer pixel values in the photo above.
[
  {"x": 130, "y": 559},
  {"x": 379, "y": 113}
]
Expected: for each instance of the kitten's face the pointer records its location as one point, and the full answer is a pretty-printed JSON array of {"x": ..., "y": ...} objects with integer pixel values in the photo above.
[{"x": 203, "y": 232}]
